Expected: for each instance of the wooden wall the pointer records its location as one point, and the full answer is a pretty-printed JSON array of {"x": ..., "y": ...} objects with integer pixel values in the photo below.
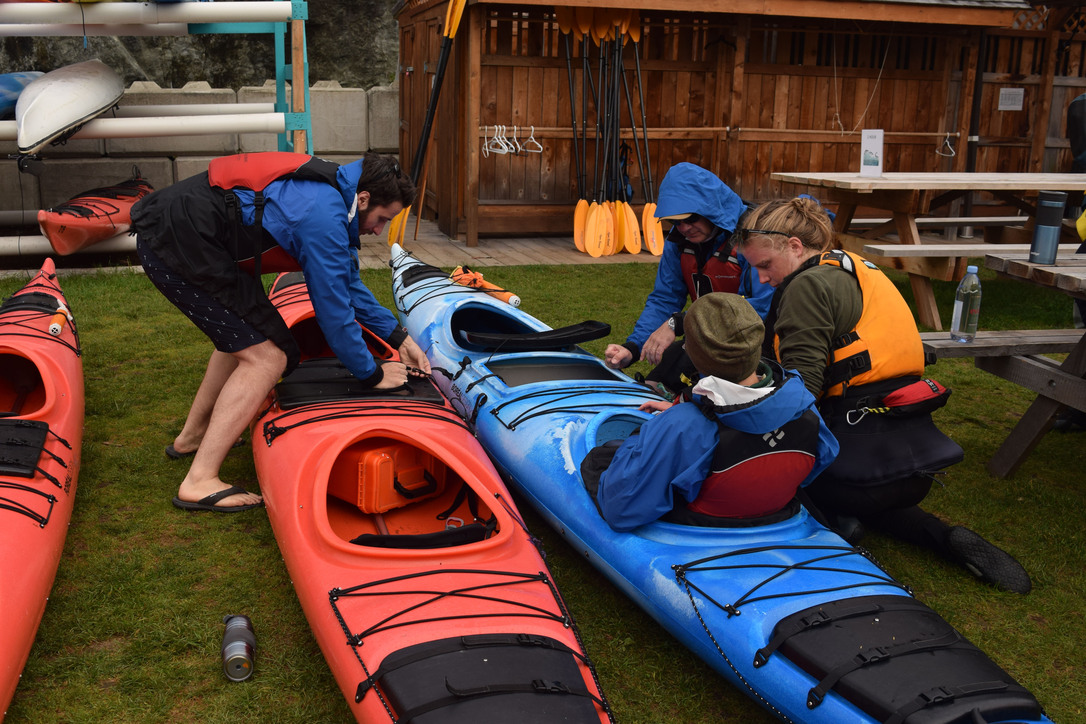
[{"x": 741, "y": 95}]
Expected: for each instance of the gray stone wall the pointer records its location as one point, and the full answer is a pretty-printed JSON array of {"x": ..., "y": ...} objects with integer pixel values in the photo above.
[{"x": 354, "y": 42}]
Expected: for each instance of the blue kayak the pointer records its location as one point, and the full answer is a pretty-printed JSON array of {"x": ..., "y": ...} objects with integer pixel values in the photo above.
[{"x": 807, "y": 625}]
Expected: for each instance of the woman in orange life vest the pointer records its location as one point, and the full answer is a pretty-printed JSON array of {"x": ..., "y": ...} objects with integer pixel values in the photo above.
[
  {"x": 843, "y": 325},
  {"x": 204, "y": 242}
]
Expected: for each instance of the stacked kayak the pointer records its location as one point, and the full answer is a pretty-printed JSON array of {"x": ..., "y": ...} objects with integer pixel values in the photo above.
[
  {"x": 93, "y": 216},
  {"x": 41, "y": 430},
  {"x": 805, "y": 624},
  {"x": 423, "y": 589},
  {"x": 51, "y": 108}
]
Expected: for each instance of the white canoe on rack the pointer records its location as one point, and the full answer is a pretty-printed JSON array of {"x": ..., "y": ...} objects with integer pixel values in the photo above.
[{"x": 57, "y": 104}]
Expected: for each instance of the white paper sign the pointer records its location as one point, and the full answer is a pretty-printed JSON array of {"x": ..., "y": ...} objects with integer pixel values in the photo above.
[
  {"x": 1011, "y": 99},
  {"x": 871, "y": 152}
]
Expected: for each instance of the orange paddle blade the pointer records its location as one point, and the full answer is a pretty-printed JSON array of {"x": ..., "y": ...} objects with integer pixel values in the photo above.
[
  {"x": 609, "y": 222},
  {"x": 595, "y": 231},
  {"x": 580, "y": 216},
  {"x": 398, "y": 226},
  {"x": 583, "y": 16},
  {"x": 632, "y": 242},
  {"x": 566, "y": 18},
  {"x": 633, "y": 30},
  {"x": 652, "y": 231}
]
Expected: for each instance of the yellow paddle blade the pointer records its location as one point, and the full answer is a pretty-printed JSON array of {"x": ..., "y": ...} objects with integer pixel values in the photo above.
[
  {"x": 633, "y": 30},
  {"x": 566, "y": 18},
  {"x": 580, "y": 216},
  {"x": 609, "y": 225},
  {"x": 583, "y": 16},
  {"x": 632, "y": 242},
  {"x": 601, "y": 23},
  {"x": 595, "y": 231},
  {"x": 398, "y": 226},
  {"x": 620, "y": 226},
  {"x": 652, "y": 232}
]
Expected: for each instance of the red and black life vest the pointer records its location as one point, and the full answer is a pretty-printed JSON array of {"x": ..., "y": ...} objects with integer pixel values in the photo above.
[
  {"x": 254, "y": 250},
  {"x": 719, "y": 273},
  {"x": 754, "y": 475}
]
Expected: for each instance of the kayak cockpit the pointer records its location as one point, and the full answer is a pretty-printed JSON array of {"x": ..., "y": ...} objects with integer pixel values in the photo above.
[
  {"x": 483, "y": 329},
  {"x": 388, "y": 493},
  {"x": 22, "y": 390}
]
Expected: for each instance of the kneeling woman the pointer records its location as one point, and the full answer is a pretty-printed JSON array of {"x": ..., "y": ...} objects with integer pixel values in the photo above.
[
  {"x": 737, "y": 452},
  {"x": 843, "y": 325}
]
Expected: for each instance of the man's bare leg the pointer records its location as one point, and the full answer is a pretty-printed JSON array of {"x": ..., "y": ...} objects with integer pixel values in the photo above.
[
  {"x": 240, "y": 395},
  {"x": 219, "y": 368}
]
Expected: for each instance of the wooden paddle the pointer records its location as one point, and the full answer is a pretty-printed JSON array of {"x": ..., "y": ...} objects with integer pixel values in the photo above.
[{"x": 398, "y": 225}]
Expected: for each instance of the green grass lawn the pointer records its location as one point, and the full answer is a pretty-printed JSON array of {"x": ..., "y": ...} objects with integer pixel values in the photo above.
[{"x": 133, "y": 626}]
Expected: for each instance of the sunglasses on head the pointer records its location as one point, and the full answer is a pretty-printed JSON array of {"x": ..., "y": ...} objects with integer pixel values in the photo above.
[{"x": 745, "y": 234}]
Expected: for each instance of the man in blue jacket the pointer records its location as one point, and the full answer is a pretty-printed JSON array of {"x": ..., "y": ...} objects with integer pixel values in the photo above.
[
  {"x": 698, "y": 259},
  {"x": 204, "y": 242},
  {"x": 741, "y": 449}
]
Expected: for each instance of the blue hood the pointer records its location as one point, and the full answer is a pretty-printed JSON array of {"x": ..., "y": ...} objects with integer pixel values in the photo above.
[
  {"x": 347, "y": 177},
  {"x": 691, "y": 189}
]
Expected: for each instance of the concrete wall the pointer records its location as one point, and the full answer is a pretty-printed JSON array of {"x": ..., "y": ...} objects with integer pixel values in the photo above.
[{"x": 346, "y": 123}]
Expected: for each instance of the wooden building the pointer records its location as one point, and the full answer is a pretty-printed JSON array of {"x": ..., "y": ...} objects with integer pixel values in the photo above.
[{"x": 744, "y": 88}]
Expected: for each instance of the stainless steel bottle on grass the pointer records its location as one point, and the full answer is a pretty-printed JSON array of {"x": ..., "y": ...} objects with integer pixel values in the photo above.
[{"x": 238, "y": 647}]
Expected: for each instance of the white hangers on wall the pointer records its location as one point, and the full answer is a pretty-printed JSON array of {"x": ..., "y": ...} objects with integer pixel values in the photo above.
[{"x": 501, "y": 143}]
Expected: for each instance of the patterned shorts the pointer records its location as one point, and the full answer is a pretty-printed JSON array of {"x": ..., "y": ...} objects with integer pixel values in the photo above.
[{"x": 226, "y": 330}]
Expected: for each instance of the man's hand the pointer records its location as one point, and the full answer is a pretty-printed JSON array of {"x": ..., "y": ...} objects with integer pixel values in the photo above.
[
  {"x": 616, "y": 356},
  {"x": 395, "y": 375},
  {"x": 412, "y": 356},
  {"x": 657, "y": 343}
]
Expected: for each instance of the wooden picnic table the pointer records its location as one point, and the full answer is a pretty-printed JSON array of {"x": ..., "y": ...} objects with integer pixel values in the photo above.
[
  {"x": 1056, "y": 384},
  {"x": 909, "y": 196}
]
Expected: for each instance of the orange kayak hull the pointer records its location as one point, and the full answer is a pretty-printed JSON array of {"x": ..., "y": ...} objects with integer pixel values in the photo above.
[
  {"x": 442, "y": 575},
  {"x": 92, "y": 216},
  {"x": 41, "y": 418}
]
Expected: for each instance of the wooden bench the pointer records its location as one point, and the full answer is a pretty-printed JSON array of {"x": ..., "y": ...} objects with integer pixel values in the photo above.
[
  {"x": 1008, "y": 343},
  {"x": 945, "y": 222},
  {"x": 944, "y": 262}
]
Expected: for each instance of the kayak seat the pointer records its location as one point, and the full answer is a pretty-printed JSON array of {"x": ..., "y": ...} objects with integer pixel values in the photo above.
[
  {"x": 447, "y": 538},
  {"x": 507, "y": 677},
  {"x": 898, "y": 661},
  {"x": 549, "y": 340},
  {"x": 379, "y": 474}
]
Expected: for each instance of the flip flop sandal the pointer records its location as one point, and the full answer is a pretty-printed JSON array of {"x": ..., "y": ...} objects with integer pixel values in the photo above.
[{"x": 208, "y": 503}]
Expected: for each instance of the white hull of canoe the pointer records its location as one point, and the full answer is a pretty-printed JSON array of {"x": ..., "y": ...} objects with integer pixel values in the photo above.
[{"x": 63, "y": 100}]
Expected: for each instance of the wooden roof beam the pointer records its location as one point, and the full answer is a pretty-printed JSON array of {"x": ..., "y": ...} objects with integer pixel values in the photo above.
[{"x": 831, "y": 9}]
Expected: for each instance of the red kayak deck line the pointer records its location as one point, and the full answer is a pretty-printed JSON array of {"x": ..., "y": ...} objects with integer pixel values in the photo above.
[
  {"x": 422, "y": 587},
  {"x": 41, "y": 430}
]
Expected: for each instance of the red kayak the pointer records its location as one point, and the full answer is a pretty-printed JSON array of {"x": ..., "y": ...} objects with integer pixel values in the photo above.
[
  {"x": 418, "y": 578},
  {"x": 41, "y": 430},
  {"x": 92, "y": 216}
]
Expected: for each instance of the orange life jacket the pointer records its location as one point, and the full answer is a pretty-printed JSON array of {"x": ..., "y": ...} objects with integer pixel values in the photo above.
[
  {"x": 885, "y": 343},
  {"x": 257, "y": 252}
]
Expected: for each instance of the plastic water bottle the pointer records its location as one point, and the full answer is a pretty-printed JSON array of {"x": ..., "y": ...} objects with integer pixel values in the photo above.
[
  {"x": 963, "y": 323},
  {"x": 238, "y": 647}
]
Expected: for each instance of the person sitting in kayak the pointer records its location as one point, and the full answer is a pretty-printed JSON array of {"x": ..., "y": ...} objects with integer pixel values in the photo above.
[
  {"x": 843, "y": 325},
  {"x": 739, "y": 450},
  {"x": 699, "y": 258},
  {"x": 204, "y": 242}
]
